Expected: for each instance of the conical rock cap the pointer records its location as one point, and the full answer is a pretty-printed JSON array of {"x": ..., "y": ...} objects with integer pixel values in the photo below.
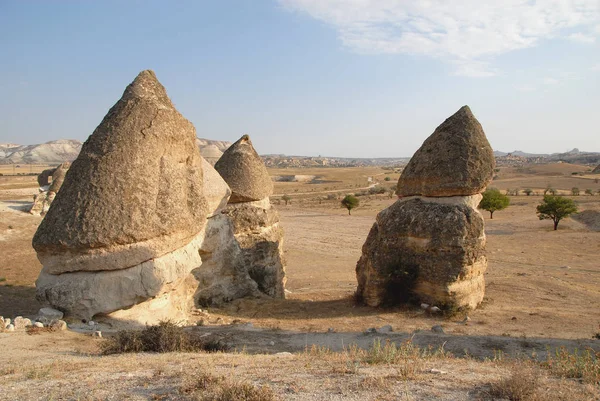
[
  {"x": 456, "y": 159},
  {"x": 245, "y": 172},
  {"x": 134, "y": 192}
]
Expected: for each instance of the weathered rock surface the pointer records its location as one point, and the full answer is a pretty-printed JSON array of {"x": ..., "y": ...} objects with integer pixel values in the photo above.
[
  {"x": 133, "y": 194},
  {"x": 48, "y": 315},
  {"x": 58, "y": 177},
  {"x": 259, "y": 234},
  {"x": 419, "y": 251},
  {"x": 215, "y": 189},
  {"x": 85, "y": 294},
  {"x": 456, "y": 159},
  {"x": 245, "y": 172},
  {"x": 41, "y": 203},
  {"x": 223, "y": 275},
  {"x": 43, "y": 178}
]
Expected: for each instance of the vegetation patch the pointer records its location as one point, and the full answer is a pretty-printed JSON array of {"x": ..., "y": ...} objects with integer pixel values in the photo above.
[
  {"x": 206, "y": 387},
  {"x": 164, "y": 337}
]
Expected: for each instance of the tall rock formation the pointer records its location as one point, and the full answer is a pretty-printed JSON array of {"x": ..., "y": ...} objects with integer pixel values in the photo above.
[
  {"x": 254, "y": 224},
  {"x": 43, "y": 200},
  {"x": 127, "y": 224},
  {"x": 429, "y": 246}
]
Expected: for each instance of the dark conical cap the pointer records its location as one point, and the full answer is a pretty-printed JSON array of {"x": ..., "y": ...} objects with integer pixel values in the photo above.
[
  {"x": 245, "y": 172},
  {"x": 134, "y": 192},
  {"x": 456, "y": 159}
]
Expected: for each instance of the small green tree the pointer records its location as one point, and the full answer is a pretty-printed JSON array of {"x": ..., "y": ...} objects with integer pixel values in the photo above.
[
  {"x": 286, "y": 198},
  {"x": 575, "y": 191},
  {"x": 350, "y": 202},
  {"x": 387, "y": 179},
  {"x": 494, "y": 200},
  {"x": 588, "y": 191},
  {"x": 556, "y": 208},
  {"x": 528, "y": 191}
]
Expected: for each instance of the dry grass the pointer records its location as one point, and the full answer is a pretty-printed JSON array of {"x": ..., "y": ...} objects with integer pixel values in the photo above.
[
  {"x": 582, "y": 365},
  {"x": 208, "y": 387},
  {"x": 164, "y": 337},
  {"x": 521, "y": 385}
]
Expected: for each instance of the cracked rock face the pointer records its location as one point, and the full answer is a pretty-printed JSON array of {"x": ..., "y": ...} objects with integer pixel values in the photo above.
[
  {"x": 134, "y": 192},
  {"x": 245, "y": 172},
  {"x": 429, "y": 246}
]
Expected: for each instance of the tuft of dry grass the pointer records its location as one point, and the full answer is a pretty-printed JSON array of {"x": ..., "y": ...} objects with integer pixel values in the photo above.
[
  {"x": 164, "y": 337},
  {"x": 583, "y": 365},
  {"x": 206, "y": 387},
  {"x": 521, "y": 385}
]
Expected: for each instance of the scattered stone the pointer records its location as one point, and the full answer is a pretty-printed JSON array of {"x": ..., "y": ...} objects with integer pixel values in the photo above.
[
  {"x": 97, "y": 333},
  {"x": 466, "y": 320},
  {"x": 456, "y": 160},
  {"x": 47, "y": 315},
  {"x": 437, "y": 329},
  {"x": 385, "y": 329},
  {"x": 513, "y": 318},
  {"x": 371, "y": 330},
  {"x": 58, "y": 325},
  {"x": 331, "y": 330},
  {"x": 7, "y": 321},
  {"x": 437, "y": 371},
  {"x": 424, "y": 306},
  {"x": 38, "y": 324},
  {"x": 245, "y": 172},
  {"x": 272, "y": 343},
  {"x": 10, "y": 327},
  {"x": 91, "y": 323},
  {"x": 21, "y": 322},
  {"x": 435, "y": 309}
]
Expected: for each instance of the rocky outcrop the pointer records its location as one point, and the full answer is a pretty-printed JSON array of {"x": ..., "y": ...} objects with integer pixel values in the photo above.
[
  {"x": 455, "y": 160},
  {"x": 245, "y": 172},
  {"x": 125, "y": 228},
  {"x": 43, "y": 200},
  {"x": 245, "y": 244},
  {"x": 429, "y": 246},
  {"x": 134, "y": 192},
  {"x": 43, "y": 178}
]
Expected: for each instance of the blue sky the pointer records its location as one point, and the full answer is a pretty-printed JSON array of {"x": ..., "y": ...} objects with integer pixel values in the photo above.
[{"x": 354, "y": 78}]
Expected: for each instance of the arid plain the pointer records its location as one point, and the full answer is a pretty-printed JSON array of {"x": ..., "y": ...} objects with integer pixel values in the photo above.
[{"x": 540, "y": 283}]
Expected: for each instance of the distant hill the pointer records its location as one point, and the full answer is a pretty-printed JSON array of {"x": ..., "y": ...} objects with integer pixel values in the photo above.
[
  {"x": 62, "y": 150},
  {"x": 53, "y": 152}
]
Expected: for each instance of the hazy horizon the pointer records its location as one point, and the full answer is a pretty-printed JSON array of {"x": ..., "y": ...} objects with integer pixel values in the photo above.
[{"x": 311, "y": 77}]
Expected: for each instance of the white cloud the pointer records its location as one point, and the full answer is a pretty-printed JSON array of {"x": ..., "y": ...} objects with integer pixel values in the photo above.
[
  {"x": 467, "y": 34},
  {"x": 582, "y": 38}
]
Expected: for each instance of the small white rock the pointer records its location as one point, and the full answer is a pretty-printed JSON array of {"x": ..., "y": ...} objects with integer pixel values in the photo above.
[
  {"x": 435, "y": 309},
  {"x": 59, "y": 325},
  {"x": 424, "y": 306},
  {"x": 438, "y": 371},
  {"x": 10, "y": 327},
  {"x": 38, "y": 324},
  {"x": 91, "y": 323},
  {"x": 272, "y": 343},
  {"x": 97, "y": 333},
  {"x": 21, "y": 322}
]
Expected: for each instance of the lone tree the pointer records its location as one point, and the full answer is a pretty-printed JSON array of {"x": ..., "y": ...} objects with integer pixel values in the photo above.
[
  {"x": 350, "y": 202},
  {"x": 556, "y": 208},
  {"x": 286, "y": 198},
  {"x": 494, "y": 200},
  {"x": 589, "y": 192},
  {"x": 528, "y": 191},
  {"x": 575, "y": 191}
]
